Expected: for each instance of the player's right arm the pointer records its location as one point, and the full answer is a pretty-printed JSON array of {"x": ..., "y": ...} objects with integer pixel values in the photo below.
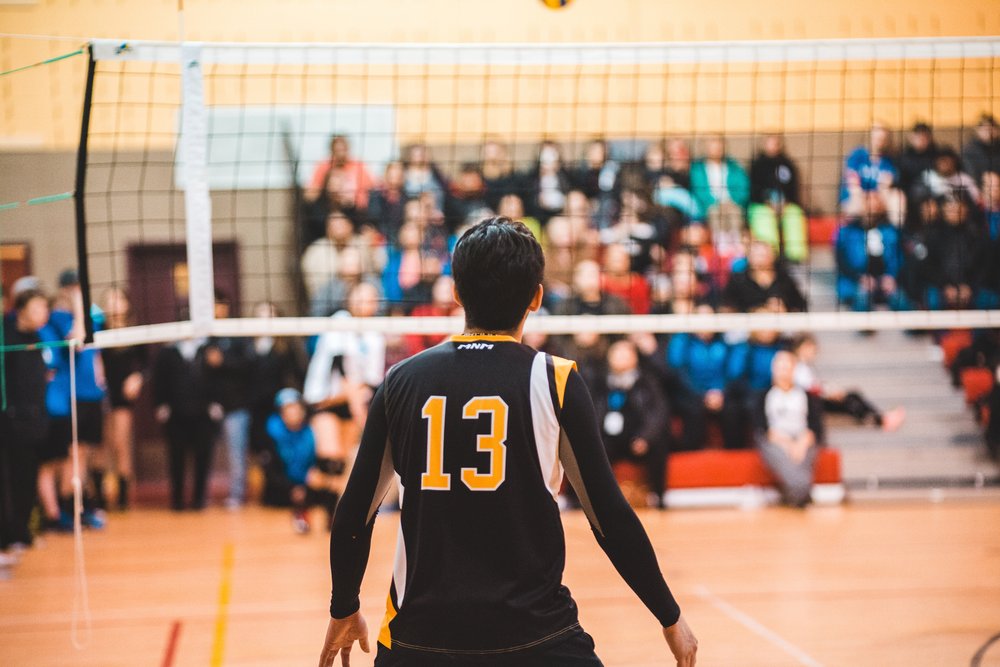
[{"x": 615, "y": 525}]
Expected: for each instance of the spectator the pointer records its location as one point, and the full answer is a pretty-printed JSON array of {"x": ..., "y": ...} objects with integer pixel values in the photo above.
[
  {"x": 634, "y": 230},
  {"x": 947, "y": 180},
  {"x": 124, "y": 370},
  {"x": 300, "y": 472},
  {"x": 686, "y": 286},
  {"x": 421, "y": 176},
  {"x": 774, "y": 193},
  {"x": 786, "y": 433},
  {"x": 991, "y": 205},
  {"x": 915, "y": 269},
  {"x": 722, "y": 189},
  {"x": 679, "y": 162},
  {"x": 498, "y": 174},
  {"x": 342, "y": 376},
  {"x": 565, "y": 246},
  {"x": 23, "y": 422},
  {"x": 712, "y": 269},
  {"x": 619, "y": 280},
  {"x": 467, "y": 202},
  {"x": 385, "y": 202},
  {"x": 332, "y": 296},
  {"x": 749, "y": 376},
  {"x": 549, "y": 183},
  {"x": 654, "y": 162},
  {"x": 917, "y": 158},
  {"x": 763, "y": 283},
  {"x": 588, "y": 298},
  {"x": 669, "y": 194},
  {"x": 869, "y": 255},
  {"x": 868, "y": 169},
  {"x": 338, "y": 184},
  {"x": 512, "y": 207},
  {"x": 988, "y": 294},
  {"x": 321, "y": 260},
  {"x": 702, "y": 361},
  {"x": 634, "y": 416},
  {"x": 953, "y": 254},
  {"x": 190, "y": 415},
  {"x": 982, "y": 152},
  {"x": 442, "y": 304},
  {"x": 55, "y": 475},
  {"x": 411, "y": 270},
  {"x": 598, "y": 179},
  {"x": 581, "y": 215}
]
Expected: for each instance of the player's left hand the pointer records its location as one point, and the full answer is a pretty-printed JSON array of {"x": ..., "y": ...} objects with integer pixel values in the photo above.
[{"x": 341, "y": 634}]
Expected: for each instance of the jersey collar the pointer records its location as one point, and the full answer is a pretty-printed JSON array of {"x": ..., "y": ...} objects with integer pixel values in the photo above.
[{"x": 487, "y": 337}]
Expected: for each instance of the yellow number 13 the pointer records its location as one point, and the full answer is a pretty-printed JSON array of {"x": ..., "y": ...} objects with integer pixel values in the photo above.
[{"x": 436, "y": 479}]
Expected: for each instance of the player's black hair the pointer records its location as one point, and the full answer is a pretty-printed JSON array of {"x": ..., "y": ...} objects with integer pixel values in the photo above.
[{"x": 498, "y": 266}]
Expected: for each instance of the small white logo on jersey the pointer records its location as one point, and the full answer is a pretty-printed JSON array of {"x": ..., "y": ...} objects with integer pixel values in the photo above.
[{"x": 476, "y": 346}]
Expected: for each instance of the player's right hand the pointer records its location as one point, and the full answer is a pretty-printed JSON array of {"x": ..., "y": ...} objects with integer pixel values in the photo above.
[
  {"x": 341, "y": 634},
  {"x": 682, "y": 642}
]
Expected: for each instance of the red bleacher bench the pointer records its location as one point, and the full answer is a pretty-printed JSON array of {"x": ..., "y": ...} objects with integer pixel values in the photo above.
[
  {"x": 822, "y": 229},
  {"x": 977, "y": 383},
  {"x": 953, "y": 342}
]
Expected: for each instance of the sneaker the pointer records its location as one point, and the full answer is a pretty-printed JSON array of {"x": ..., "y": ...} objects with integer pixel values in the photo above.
[
  {"x": 8, "y": 559},
  {"x": 95, "y": 519},
  {"x": 300, "y": 523},
  {"x": 893, "y": 419}
]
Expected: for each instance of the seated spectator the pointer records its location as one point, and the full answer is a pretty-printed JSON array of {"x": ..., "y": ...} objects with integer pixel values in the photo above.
[
  {"x": 774, "y": 196},
  {"x": 988, "y": 292},
  {"x": 321, "y": 260},
  {"x": 721, "y": 187},
  {"x": 498, "y": 174},
  {"x": 786, "y": 433},
  {"x": 634, "y": 230},
  {"x": 581, "y": 214},
  {"x": 869, "y": 258},
  {"x": 953, "y": 254},
  {"x": 421, "y": 176},
  {"x": 654, "y": 162},
  {"x": 590, "y": 352},
  {"x": 711, "y": 268},
  {"x": 410, "y": 270},
  {"x": 763, "y": 283},
  {"x": 598, "y": 179},
  {"x": 686, "y": 288},
  {"x": 567, "y": 241},
  {"x": 467, "y": 199},
  {"x": 512, "y": 207},
  {"x": 679, "y": 162},
  {"x": 549, "y": 183},
  {"x": 982, "y": 151},
  {"x": 703, "y": 364},
  {"x": 442, "y": 304},
  {"x": 298, "y": 472},
  {"x": 947, "y": 179},
  {"x": 750, "y": 361},
  {"x": 834, "y": 399},
  {"x": 634, "y": 416},
  {"x": 917, "y": 158},
  {"x": 341, "y": 379},
  {"x": 868, "y": 169},
  {"x": 619, "y": 280},
  {"x": 337, "y": 184},
  {"x": 385, "y": 202},
  {"x": 991, "y": 205},
  {"x": 332, "y": 296},
  {"x": 588, "y": 298},
  {"x": 915, "y": 270}
]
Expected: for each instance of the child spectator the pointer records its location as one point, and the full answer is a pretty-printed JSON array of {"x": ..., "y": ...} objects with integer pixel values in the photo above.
[
  {"x": 634, "y": 416},
  {"x": 786, "y": 433},
  {"x": 299, "y": 471},
  {"x": 24, "y": 422},
  {"x": 834, "y": 399},
  {"x": 338, "y": 184},
  {"x": 722, "y": 189},
  {"x": 618, "y": 280},
  {"x": 982, "y": 151},
  {"x": 953, "y": 253},
  {"x": 869, "y": 255},
  {"x": 186, "y": 406},
  {"x": 764, "y": 283},
  {"x": 774, "y": 196}
]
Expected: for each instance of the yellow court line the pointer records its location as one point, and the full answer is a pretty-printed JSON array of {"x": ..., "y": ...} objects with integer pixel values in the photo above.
[{"x": 225, "y": 587}]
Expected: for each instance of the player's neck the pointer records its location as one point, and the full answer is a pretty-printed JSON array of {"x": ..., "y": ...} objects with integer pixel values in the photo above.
[{"x": 480, "y": 332}]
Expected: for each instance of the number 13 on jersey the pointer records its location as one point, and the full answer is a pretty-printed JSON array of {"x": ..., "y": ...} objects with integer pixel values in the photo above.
[{"x": 493, "y": 443}]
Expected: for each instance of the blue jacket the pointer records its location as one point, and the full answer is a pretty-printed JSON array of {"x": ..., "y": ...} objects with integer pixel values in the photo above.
[
  {"x": 870, "y": 172},
  {"x": 57, "y": 395},
  {"x": 297, "y": 449},
  {"x": 751, "y": 362},
  {"x": 853, "y": 251},
  {"x": 702, "y": 366}
]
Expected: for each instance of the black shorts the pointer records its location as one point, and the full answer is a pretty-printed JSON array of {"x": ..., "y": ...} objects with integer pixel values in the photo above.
[
  {"x": 576, "y": 651},
  {"x": 342, "y": 411},
  {"x": 90, "y": 431}
]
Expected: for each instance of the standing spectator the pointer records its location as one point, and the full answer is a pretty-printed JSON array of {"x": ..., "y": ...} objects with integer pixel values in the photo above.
[
  {"x": 917, "y": 158},
  {"x": 549, "y": 183},
  {"x": 774, "y": 196},
  {"x": 321, "y": 260},
  {"x": 764, "y": 283},
  {"x": 722, "y": 189},
  {"x": 597, "y": 178},
  {"x": 786, "y": 433},
  {"x": 186, "y": 407},
  {"x": 385, "y": 202},
  {"x": 634, "y": 416},
  {"x": 953, "y": 253},
  {"x": 421, "y": 176},
  {"x": 24, "y": 421},
  {"x": 55, "y": 475},
  {"x": 868, "y": 169},
  {"x": 869, "y": 255},
  {"x": 679, "y": 162},
  {"x": 124, "y": 368},
  {"x": 947, "y": 179},
  {"x": 498, "y": 174},
  {"x": 982, "y": 152},
  {"x": 338, "y": 184},
  {"x": 619, "y": 280}
]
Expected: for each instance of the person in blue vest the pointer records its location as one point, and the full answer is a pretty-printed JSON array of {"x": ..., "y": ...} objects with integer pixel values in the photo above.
[
  {"x": 870, "y": 259},
  {"x": 702, "y": 362},
  {"x": 55, "y": 474},
  {"x": 868, "y": 169}
]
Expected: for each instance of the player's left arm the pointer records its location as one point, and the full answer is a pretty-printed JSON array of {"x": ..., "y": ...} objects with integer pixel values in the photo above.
[{"x": 350, "y": 538}]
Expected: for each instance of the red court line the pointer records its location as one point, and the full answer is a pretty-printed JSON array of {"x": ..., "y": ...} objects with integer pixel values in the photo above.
[{"x": 168, "y": 655}]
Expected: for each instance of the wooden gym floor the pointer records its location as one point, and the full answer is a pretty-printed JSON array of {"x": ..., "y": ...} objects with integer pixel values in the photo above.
[{"x": 909, "y": 585}]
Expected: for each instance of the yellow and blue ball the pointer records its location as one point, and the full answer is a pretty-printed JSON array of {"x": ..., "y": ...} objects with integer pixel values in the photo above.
[{"x": 556, "y": 4}]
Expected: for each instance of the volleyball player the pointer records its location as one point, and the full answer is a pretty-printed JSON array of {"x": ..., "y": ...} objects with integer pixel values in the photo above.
[{"x": 480, "y": 430}]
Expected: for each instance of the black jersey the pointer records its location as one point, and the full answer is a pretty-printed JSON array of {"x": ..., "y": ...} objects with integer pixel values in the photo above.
[{"x": 480, "y": 430}]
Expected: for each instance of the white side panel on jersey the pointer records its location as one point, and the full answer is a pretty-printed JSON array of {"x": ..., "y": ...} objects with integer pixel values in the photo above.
[
  {"x": 399, "y": 567},
  {"x": 546, "y": 425}
]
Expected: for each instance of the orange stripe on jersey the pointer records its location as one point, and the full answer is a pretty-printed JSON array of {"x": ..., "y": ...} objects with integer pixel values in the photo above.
[
  {"x": 562, "y": 368},
  {"x": 468, "y": 338},
  {"x": 385, "y": 635}
]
